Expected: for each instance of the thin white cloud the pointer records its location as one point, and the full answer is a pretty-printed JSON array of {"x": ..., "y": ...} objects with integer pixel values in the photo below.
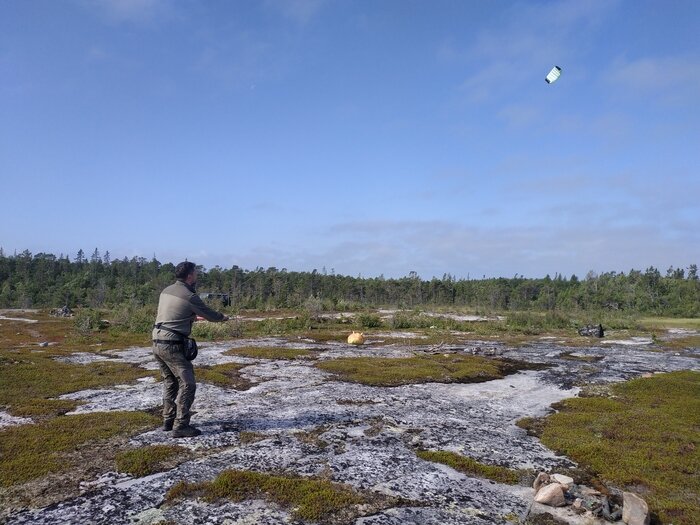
[
  {"x": 137, "y": 11},
  {"x": 517, "y": 116},
  {"x": 96, "y": 54},
  {"x": 525, "y": 43},
  {"x": 245, "y": 59},
  {"x": 672, "y": 79},
  {"x": 300, "y": 11},
  {"x": 431, "y": 248}
]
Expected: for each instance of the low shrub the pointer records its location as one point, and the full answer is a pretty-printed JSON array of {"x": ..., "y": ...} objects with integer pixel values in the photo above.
[
  {"x": 368, "y": 320},
  {"x": 208, "y": 331},
  {"x": 134, "y": 318}
]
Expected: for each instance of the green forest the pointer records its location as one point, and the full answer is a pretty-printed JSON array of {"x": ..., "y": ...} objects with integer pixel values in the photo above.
[{"x": 44, "y": 280}]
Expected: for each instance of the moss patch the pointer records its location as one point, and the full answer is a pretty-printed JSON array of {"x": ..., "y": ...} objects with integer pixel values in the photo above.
[
  {"x": 313, "y": 437},
  {"x": 472, "y": 467},
  {"x": 309, "y": 499},
  {"x": 225, "y": 375},
  {"x": 420, "y": 369},
  {"x": 246, "y": 437},
  {"x": 29, "y": 379},
  {"x": 679, "y": 343},
  {"x": 264, "y": 352},
  {"x": 149, "y": 460},
  {"x": 31, "y": 451},
  {"x": 646, "y": 439}
]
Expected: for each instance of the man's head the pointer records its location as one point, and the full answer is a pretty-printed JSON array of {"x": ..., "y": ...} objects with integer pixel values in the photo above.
[{"x": 186, "y": 271}]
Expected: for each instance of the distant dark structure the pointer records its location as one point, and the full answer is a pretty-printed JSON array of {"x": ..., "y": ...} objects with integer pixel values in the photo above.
[
  {"x": 62, "y": 312},
  {"x": 223, "y": 298},
  {"x": 592, "y": 330}
]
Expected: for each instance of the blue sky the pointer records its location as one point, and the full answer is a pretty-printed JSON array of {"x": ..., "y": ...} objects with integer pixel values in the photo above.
[{"x": 368, "y": 137}]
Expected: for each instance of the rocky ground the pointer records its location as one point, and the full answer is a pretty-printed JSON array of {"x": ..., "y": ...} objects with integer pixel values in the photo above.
[{"x": 365, "y": 436}]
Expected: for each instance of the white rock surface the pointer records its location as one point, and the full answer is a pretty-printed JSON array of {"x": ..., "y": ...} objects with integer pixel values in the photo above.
[
  {"x": 8, "y": 420},
  {"x": 369, "y": 434}
]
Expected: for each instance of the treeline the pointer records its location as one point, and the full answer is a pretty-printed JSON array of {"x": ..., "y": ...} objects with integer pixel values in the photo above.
[{"x": 45, "y": 280}]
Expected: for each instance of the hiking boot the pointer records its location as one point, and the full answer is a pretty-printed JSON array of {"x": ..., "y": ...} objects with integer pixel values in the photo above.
[
  {"x": 168, "y": 425},
  {"x": 186, "y": 432}
]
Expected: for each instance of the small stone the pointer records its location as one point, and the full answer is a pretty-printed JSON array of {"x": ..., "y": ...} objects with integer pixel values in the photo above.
[
  {"x": 552, "y": 495},
  {"x": 592, "y": 331},
  {"x": 44, "y": 344},
  {"x": 541, "y": 479},
  {"x": 635, "y": 510},
  {"x": 563, "y": 480},
  {"x": 577, "y": 506}
]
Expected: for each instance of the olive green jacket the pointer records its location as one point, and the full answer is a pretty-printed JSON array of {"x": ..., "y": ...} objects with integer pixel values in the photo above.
[{"x": 178, "y": 307}]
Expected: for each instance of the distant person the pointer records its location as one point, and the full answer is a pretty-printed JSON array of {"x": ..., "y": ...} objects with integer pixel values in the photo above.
[{"x": 178, "y": 307}]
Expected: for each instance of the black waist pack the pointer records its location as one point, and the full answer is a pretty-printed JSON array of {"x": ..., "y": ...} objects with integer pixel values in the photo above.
[{"x": 189, "y": 345}]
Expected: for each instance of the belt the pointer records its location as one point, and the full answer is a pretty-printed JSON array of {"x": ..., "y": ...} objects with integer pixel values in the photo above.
[{"x": 167, "y": 342}]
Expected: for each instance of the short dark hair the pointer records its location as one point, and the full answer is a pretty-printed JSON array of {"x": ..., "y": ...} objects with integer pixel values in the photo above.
[{"x": 185, "y": 268}]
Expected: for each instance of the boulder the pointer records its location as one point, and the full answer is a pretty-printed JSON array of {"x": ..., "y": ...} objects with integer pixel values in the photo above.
[
  {"x": 563, "y": 480},
  {"x": 635, "y": 510},
  {"x": 62, "y": 312},
  {"x": 541, "y": 479},
  {"x": 592, "y": 330},
  {"x": 552, "y": 495},
  {"x": 356, "y": 338}
]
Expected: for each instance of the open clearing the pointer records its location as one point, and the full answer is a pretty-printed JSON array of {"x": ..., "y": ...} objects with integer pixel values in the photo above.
[{"x": 350, "y": 446}]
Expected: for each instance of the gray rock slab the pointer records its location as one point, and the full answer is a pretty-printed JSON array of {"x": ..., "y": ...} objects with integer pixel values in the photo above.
[{"x": 312, "y": 424}]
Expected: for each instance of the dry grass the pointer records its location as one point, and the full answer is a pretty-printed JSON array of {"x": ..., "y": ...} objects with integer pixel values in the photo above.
[
  {"x": 669, "y": 322},
  {"x": 63, "y": 335}
]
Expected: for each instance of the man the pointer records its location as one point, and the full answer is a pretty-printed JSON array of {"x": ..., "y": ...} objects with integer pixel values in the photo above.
[{"x": 178, "y": 307}]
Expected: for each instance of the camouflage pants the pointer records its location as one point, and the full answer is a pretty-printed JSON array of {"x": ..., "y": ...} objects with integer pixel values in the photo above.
[{"x": 178, "y": 383}]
